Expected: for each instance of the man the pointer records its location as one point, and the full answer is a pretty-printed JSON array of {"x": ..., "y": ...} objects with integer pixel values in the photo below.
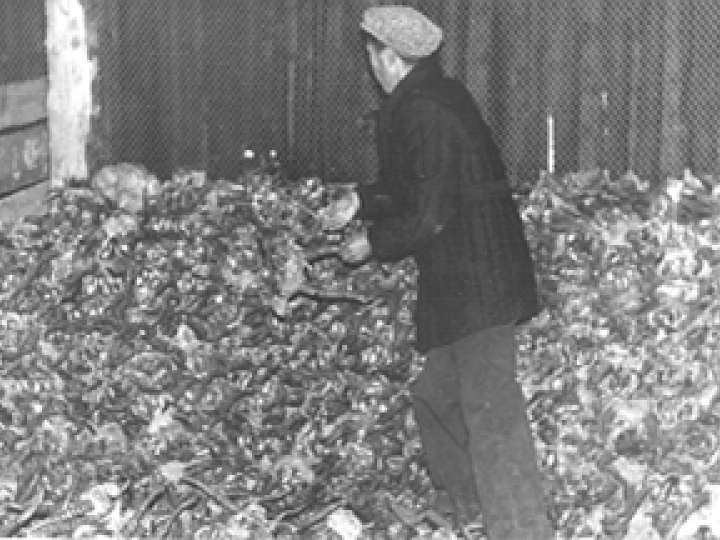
[{"x": 443, "y": 198}]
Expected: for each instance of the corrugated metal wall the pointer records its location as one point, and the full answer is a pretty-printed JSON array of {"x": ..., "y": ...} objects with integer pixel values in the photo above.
[
  {"x": 199, "y": 82},
  {"x": 192, "y": 83}
]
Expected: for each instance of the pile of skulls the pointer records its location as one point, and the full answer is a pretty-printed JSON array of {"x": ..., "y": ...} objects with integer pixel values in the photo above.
[
  {"x": 621, "y": 370},
  {"x": 189, "y": 358}
]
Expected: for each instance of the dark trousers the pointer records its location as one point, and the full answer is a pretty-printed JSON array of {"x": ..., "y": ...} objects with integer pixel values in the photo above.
[{"x": 473, "y": 422}]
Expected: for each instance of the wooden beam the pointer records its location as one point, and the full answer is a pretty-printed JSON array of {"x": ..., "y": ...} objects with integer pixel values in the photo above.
[
  {"x": 70, "y": 74},
  {"x": 23, "y": 103}
]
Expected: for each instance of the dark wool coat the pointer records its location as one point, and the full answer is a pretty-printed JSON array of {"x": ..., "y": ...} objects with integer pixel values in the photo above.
[{"x": 442, "y": 196}]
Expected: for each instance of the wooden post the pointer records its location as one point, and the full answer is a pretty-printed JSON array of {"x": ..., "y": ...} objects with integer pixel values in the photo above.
[
  {"x": 71, "y": 74},
  {"x": 102, "y": 19}
]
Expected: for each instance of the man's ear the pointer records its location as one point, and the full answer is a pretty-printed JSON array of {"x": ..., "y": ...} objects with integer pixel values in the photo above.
[{"x": 390, "y": 57}]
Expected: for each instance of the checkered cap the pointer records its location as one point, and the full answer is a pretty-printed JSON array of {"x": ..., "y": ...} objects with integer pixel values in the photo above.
[{"x": 404, "y": 29}]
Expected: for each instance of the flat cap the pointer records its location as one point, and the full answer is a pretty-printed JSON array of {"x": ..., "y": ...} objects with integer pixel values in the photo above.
[{"x": 404, "y": 29}]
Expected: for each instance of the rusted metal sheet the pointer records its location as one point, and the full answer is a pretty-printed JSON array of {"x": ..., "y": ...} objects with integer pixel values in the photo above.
[{"x": 24, "y": 157}]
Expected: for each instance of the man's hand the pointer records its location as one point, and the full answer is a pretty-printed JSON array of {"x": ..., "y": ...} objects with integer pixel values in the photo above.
[
  {"x": 340, "y": 212},
  {"x": 356, "y": 248}
]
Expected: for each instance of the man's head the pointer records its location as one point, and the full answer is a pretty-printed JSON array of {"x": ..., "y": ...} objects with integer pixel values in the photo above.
[
  {"x": 388, "y": 67},
  {"x": 397, "y": 38}
]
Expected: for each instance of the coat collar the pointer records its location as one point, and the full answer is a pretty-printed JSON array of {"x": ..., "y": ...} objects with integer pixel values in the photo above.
[{"x": 426, "y": 70}]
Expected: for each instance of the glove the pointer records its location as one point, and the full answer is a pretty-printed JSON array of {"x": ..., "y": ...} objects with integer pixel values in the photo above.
[
  {"x": 340, "y": 212},
  {"x": 356, "y": 248}
]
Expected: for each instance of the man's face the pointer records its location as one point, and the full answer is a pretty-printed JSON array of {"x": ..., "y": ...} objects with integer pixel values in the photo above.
[{"x": 380, "y": 64}]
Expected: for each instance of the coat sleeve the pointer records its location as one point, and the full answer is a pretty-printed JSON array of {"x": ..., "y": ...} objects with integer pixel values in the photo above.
[
  {"x": 375, "y": 202},
  {"x": 431, "y": 142}
]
